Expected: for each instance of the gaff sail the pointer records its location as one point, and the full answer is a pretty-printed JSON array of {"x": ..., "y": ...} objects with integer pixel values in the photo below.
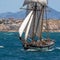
[
  {"x": 40, "y": 24},
  {"x": 24, "y": 24},
  {"x": 28, "y": 27}
]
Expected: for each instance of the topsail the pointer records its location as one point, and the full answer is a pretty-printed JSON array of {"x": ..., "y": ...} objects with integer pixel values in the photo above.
[{"x": 43, "y": 2}]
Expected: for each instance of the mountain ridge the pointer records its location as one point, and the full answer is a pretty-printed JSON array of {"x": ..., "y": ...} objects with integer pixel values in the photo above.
[{"x": 53, "y": 14}]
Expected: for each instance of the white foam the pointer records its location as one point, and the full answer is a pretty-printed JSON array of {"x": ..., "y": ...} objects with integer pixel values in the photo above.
[
  {"x": 1, "y": 46},
  {"x": 51, "y": 49},
  {"x": 28, "y": 50},
  {"x": 38, "y": 50},
  {"x": 31, "y": 50},
  {"x": 58, "y": 48}
]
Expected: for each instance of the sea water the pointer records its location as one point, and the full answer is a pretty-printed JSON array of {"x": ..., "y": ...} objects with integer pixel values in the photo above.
[{"x": 11, "y": 48}]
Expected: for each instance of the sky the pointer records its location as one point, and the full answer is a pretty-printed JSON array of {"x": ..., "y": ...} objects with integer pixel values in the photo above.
[{"x": 14, "y": 5}]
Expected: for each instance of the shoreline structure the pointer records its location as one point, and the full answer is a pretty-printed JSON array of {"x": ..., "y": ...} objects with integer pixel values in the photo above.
[{"x": 12, "y": 25}]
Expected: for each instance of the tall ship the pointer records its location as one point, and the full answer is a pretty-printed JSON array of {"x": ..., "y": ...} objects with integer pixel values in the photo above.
[{"x": 31, "y": 29}]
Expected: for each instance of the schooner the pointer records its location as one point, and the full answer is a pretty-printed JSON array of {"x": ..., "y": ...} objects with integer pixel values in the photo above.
[{"x": 32, "y": 27}]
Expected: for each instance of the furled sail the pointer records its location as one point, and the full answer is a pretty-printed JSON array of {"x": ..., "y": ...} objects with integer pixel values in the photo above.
[
  {"x": 24, "y": 24},
  {"x": 28, "y": 27},
  {"x": 43, "y": 2}
]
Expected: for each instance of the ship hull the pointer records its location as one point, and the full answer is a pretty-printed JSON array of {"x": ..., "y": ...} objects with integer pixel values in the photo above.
[{"x": 40, "y": 48}]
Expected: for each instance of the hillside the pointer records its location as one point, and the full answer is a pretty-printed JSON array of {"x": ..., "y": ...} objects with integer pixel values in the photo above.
[{"x": 13, "y": 25}]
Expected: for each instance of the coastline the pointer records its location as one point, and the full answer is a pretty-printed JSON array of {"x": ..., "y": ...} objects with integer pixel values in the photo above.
[{"x": 12, "y": 25}]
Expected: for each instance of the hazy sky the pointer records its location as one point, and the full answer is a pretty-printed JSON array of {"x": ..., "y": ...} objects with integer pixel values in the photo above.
[{"x": 14, "y": 5}]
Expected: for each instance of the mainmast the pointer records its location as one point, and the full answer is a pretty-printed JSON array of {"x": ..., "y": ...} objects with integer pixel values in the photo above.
[
  {"x": 34, "y": 19},
  {"x": 41, "y": 22}
]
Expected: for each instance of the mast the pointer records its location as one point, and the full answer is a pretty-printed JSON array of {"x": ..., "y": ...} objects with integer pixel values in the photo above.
[
  {"x": 47, "y": 25},
  {"x": 41, "y": 22},
  {"x": 34, "y": 18}
]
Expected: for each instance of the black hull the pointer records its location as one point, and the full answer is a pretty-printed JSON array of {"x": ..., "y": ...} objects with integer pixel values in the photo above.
[{"x": 40, "y": 48}]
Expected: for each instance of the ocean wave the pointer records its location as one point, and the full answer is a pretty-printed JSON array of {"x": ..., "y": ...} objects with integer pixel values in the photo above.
[
  {"x": 31, "y": 50},
  {"x": 48, "y": 50},
  {"x": 58, "y": 48},
  {"x": 37, "y": 50},
  {"x": 28, "y": 50},
  {"x": 8, "y": 33},
  {"x": 51, "y": 49},
  {"x": 22, "y": 49},
  {"x": 1, "y": 46}
]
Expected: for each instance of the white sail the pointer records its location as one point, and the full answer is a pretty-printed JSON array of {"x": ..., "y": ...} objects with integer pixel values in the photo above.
[
  {"x": 28, "y": 27},
  {"x": 39, "y": 25},
  {"x": 43, "y": 2},
  {"x": 24, "y": 24}
]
